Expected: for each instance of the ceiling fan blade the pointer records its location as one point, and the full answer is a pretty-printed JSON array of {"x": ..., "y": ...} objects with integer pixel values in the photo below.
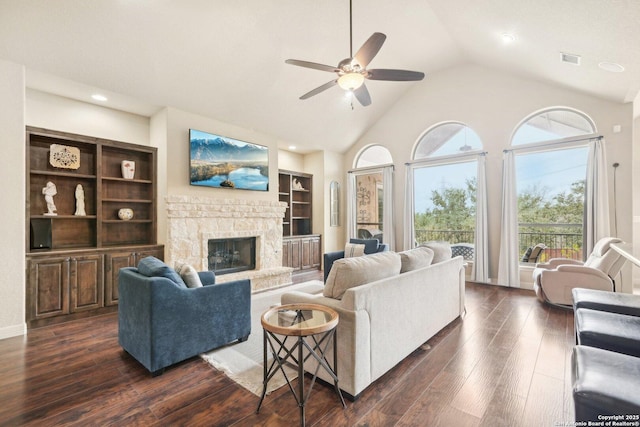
[
  {"x": 319, "y": 89},
  {"x": 369, "y": 49},
  {"x": 395, "y": 75},
  {"x": 362, "y": 95},
  {"x": 313, "y": 65}
]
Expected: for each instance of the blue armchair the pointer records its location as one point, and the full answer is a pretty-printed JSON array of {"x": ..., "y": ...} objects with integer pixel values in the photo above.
[
  {"x": 371, "y": 246},
  {"x": 162, "y": 322}
]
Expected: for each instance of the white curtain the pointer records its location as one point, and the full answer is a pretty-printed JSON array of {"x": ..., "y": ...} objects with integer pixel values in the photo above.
[
  {"x": 388, "y": 226},
  {"x": 352, "y": 200},
  {"x": 596, "y": 203},
  {"x": 480, "y": 271},
  {"x": 509, "y": 269},
  {"x": 409, "y": 209}
]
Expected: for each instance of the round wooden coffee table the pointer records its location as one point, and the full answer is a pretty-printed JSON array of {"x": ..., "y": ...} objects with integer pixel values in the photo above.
[{"x": 290, "y": 329}]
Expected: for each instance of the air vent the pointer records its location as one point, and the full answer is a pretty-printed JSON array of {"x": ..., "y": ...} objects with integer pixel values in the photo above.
[{"x": 570, "y": 58}]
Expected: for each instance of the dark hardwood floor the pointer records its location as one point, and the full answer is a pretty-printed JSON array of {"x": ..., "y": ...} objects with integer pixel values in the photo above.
[{"x": 506, "y": 363}]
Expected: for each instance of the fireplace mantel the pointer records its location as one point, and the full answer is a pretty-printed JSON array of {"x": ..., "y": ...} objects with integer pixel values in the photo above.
[{"x": 193, "y": 220}]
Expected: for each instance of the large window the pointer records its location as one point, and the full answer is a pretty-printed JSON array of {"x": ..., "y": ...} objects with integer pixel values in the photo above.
[
  {"x": 445, "y": 184},
  {"x": 551, "y": 161}
]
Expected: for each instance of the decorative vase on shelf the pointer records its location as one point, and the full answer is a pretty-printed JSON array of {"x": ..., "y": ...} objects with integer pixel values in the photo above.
[
  {"x": 125, "y": 214},
  {"x": 128, "y": 169}
]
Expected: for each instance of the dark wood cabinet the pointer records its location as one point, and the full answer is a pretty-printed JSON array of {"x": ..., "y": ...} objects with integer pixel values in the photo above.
[
  {"x": 74, "y": 254},
  {"x": 301, "y": 252}
]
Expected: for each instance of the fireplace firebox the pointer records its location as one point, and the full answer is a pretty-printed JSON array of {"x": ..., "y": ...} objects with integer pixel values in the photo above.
[{"x": 232, "y": 255}]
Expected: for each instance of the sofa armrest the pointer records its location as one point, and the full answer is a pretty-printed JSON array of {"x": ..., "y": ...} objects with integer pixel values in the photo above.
[
  {"x": 329, "y": 259},
  {"x": 555, "y": 262}
]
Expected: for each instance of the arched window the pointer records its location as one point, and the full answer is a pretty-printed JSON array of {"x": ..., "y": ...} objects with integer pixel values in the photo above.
[
  {"x": 370, "y": 196},
  {"x": 552, "y": 125},
  {"x": 447, "y": 139},
  {"x": 550, "y": 150},
  {"x": 444, "y": 178},
  {"x": 373, "y": 155}
]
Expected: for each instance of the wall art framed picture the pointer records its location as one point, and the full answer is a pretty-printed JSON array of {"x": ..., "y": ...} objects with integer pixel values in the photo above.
[{"x": 222, "y": 162}]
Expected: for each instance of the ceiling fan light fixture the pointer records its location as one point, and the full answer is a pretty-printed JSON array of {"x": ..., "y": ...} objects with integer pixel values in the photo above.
[{"x": 351, "y": 81}]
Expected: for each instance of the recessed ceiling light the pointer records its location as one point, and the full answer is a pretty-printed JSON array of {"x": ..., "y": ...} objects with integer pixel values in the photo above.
[
  {"x": 292, "y": 147},
  {"x": 508, "y": 38},
  {"x": 611, "y": 66},
  {"x": 98, "y": 97}
]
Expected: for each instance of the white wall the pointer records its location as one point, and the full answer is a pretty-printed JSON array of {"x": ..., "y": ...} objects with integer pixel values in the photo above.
[
  {"x": 493, "y": 103},
  {"x": 12, "y": 194},
  {"x": 63, "y": 114},
  {"x": 290, "y": 161},
  {"x": 177, "y": 166}
]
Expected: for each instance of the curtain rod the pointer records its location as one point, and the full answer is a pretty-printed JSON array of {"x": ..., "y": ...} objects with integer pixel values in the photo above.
[
  {"x": 370, "y": 168},
  {"x": 560, "y": 142},
  {"x": 450, "y": 157}
]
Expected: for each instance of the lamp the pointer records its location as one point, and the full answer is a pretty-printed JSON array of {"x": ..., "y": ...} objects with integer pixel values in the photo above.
[{"x": 350, "y": 81}]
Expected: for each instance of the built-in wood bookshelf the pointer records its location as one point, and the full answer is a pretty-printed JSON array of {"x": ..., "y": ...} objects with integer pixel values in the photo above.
[
  {"x": 301, "y": 248},
  {"x": 73, "y": 259}
]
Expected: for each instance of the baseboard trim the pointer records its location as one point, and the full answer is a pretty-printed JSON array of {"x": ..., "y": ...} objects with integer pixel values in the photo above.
[{"x": 13, "y": 331}]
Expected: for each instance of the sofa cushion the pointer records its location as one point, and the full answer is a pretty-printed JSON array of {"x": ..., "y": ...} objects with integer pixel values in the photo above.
[
  {"x": 414, "y": 259},
  {"x": 188, "y": 274},
  {"x": 351, "y": 272},
  {"x": 353, "y": 249},
  {"x": 370, "y": 245},
  {"x": 153, "y": 267},
  {"x": 441, "y": 250}
]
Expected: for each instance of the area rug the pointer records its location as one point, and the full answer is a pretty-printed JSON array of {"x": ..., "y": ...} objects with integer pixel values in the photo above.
[{"x": 243, "y": 362}]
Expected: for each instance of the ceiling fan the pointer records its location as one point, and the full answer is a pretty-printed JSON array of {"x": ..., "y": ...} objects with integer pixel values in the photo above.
[{"x": 352, "y": 72}]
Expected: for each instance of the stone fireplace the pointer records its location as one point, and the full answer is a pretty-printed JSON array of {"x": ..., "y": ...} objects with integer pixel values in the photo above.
[
  {"x": 226, "y": 256},
  {"x": 194, "y": 221}
]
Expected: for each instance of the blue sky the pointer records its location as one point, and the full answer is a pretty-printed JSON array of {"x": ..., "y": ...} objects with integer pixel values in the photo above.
[{"x": 552, "y": 171}]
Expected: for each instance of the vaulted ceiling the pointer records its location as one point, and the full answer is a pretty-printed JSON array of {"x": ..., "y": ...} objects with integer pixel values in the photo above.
[{"x": 225, "y": 59}]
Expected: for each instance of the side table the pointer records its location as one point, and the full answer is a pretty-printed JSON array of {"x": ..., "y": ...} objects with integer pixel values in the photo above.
[{"x": 309, "y": 326}]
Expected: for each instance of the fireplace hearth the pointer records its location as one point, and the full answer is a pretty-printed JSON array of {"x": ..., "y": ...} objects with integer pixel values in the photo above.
[
  {"x": 232, "y": 255},
  {"x": 194, "y": 220}
]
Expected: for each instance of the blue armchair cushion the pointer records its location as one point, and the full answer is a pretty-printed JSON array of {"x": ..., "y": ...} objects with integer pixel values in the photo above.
[
  {"x": 153, "y": 267},
  {"x": 370, "y": 245}
]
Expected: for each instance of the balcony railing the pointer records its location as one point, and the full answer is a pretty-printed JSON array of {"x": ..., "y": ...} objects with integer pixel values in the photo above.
[{"x": 561, "y": 240}]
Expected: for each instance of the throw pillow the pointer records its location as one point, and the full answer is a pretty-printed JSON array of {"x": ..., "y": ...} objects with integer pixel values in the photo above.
[
  {"x": 414, "y": 259},
  {"x": 351, "y": 250},
  {"x": 348, "y": 273},
  {"x": 441, "y": 251},
  {"x": 189, "y": 275},
  {"x": 153, "y": 267},
  {"x": 370, "y": 245}
]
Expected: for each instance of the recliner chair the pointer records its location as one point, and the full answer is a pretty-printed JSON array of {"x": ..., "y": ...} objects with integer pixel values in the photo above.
[{"x": 554, "y": 280}]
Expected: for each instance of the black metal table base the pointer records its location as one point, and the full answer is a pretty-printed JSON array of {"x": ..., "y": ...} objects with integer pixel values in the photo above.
[{"x": 295, "y": 355}]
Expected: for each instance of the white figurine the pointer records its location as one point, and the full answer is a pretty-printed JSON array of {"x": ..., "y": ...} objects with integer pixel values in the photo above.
[
  {"x": 80, "y": 201},
  {"x": 297, "y": 185},
  {"x": 49, "y": 191}
]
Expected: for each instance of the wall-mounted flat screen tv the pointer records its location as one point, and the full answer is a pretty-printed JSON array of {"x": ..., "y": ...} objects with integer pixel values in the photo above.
[{"x": 222, "y": 162}]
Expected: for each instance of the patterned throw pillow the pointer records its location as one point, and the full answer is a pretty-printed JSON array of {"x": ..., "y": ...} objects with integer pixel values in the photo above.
[
  {"x": 352, "y": 250},
  {"x": 189, "y": 275}
]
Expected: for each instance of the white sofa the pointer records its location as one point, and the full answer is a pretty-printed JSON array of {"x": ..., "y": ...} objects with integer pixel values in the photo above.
[{"x": 382, "y": 322}]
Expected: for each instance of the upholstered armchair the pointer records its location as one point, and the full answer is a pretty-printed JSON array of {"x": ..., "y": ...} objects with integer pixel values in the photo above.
[
  {"x": 162, "y": 322},
  {"x": 371, "y": 246},
  {"x": 554, "y": 281}
]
